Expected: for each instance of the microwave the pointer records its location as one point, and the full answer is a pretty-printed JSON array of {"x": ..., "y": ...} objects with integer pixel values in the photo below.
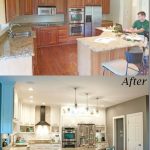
[{"x": 46, "y": 10}]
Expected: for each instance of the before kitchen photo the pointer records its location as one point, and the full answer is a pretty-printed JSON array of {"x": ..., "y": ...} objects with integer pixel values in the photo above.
[
  {"x": 74, "y": 37},
  {"x": 73, "y": 113}
]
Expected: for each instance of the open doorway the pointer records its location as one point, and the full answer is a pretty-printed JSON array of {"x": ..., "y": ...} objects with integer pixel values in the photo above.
[{"x": 119, "y": 132}]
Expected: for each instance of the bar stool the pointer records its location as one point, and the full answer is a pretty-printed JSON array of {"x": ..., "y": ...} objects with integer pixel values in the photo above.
[{"x": 129, "y": 67}]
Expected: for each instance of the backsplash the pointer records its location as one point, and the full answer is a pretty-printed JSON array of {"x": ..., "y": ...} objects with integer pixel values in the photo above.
[
  {"x": 29, "y": 137},
  {"x": 36, "y": 18}
]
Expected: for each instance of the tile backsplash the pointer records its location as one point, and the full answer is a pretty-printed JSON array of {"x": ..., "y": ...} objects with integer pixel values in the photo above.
[{"x": 36, "y": 18}]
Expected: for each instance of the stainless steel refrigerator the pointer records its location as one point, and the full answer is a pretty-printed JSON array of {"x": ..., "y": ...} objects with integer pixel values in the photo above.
[{"x": 93, "y": 19}]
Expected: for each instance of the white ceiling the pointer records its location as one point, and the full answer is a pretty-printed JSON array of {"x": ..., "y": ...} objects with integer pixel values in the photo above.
[{"x": 59, "y": 90}]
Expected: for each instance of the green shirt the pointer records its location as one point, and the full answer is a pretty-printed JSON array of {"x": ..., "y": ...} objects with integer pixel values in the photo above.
[{"x": 139, "y": 25}]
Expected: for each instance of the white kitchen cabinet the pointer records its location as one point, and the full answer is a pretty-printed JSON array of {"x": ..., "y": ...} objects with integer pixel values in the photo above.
[
  {"x": 55, "y": 116},
  {"x": 16, "y": 106},
  {"x": 27, "y": 114}
]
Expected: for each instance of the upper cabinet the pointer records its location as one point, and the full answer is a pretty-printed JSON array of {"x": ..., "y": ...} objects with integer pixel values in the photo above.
[
  {"x": 75, "y": 3},
  {"x": 26, "y": 7},
  {"x": 93, "y": 2},
  {"x": 7, "y": 102},
  {"x": 10, "y": 10},
  {"x": 60, "y": 5},
  {"x": 81, "y": 3},
  {"x": 106, "y": 6}
]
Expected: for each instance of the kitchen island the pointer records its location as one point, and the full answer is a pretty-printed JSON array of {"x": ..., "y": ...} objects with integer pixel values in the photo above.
[
  {"x": 16, "y": 53},
  {"x": 93, "y": 51}
]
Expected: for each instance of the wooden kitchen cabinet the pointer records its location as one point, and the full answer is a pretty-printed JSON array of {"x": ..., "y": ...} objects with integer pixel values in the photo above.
[
  {"x": 75, "y": 3},
  {"x": 106, "y": 6},
  {"x": 97, "y": 2},
  {"x": 93, "y": 2},
  {"x": 10, "y": 6},
  {"x": 61, "y": 6},
  {"x": 26, "y": 7},
  {"x": 62, "y": 34},
  {"x": 46, "y": 36},
  {"x": 6, "y": 106}
]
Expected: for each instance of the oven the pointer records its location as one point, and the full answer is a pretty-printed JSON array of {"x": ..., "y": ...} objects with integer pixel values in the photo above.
[
  {"x": 69, "y": 137},
  {"x": 76, "y": 29},
  {"x": 76, "y": 15}
]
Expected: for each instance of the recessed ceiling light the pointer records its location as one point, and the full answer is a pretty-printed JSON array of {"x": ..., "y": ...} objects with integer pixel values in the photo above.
[
  {"x": 31, "y": 101},
  {"x": 43, "y": 103},
  {"x": 31, "y": 97},
  {"x": 30, "y": 89}
]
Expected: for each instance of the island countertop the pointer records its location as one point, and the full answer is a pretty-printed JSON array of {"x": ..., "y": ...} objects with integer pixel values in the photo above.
[
  {"x": 17, "y": 47},
  {"x": 116, "y": 43}
]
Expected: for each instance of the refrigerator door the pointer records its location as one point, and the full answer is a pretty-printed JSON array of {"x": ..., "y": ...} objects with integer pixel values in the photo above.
[
  {"x": 96, "y": 18},
  {"x": 88, "y": 21},
  {"x": 93, "y": 19}
]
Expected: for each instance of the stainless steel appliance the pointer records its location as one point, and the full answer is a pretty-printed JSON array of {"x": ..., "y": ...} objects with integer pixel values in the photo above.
[
  {"x": 86, "y": 135},
  {"x": 76, "y": 15},
  {"x": 76, "y": 29},
  {"x": 93, "y": 19},
  {"x": 76, "y": 21},
  {"x": 69, "y": 137},
  {"x": 46, "y": 10}
]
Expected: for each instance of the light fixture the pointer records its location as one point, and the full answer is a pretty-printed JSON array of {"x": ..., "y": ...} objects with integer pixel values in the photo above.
[
  {"x": 87, "y": 102},
  {"x": 31, "y": 97},
  {"x": 30, "y": 89},
  {"x": 75, "y": 103},
  {"x": 43, "y": 104},
  {"x": 31, "y": 101}
]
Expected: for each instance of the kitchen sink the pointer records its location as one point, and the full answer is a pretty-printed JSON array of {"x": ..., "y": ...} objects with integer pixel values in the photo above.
[{"x": 21, "y": 34}]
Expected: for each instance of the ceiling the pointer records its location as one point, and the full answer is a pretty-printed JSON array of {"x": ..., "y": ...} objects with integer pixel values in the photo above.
[{"x": 60, "y": 90}]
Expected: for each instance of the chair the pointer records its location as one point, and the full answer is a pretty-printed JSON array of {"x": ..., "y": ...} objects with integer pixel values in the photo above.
[
  {"x": 129, "y": 67},
  {"x": 110, "y": 148}
]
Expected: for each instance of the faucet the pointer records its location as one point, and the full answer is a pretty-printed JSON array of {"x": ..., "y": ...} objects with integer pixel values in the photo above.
[{"x": 11, "y": 33}]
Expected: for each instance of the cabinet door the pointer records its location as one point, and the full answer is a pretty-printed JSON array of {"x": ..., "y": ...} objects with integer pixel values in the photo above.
[
  {"x": 27, "y": 114},
  {"x": 26, "y": 7},
  {"x": 97, "y": 2},
  {"x": 42, "y": 2},
  {"x": 71, "y": 3},
  {"x": 79, "y": 3},
  {"x": 7, "y": 91},
  {"x": 106, "y": 6},
  {"x": 88, "y": 2},
  {"x": 47, "y": 36},
  {"x": 10, "y": 10},
  {"x": 61, "y": 6},
  {"x": 51, "y": 2},
  {"x": 62, "y": 34}
]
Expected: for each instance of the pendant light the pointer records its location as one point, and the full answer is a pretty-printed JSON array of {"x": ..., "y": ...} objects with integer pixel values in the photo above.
[
  {"x": 97, "y": 108},
  {"x": 87, "y": 102},
  {"x": 75, "y": 103}
]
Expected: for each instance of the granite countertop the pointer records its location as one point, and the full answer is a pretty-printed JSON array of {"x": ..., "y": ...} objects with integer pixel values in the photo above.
[
  {"x": 117, "y": 42},
  {"x": 17, "y": 47},
  {"x": 26, "y": 148}
]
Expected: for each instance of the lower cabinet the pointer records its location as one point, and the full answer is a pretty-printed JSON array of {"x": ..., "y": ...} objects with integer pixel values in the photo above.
[
  {"x": 7, "y": 102},
  {"x": 47, "y": 36}
]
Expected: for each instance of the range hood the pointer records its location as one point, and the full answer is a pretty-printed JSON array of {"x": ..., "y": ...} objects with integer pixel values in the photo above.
[{"x": 42, "y": 117}]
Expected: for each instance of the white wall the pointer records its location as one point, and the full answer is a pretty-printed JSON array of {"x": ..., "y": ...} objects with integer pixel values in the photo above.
[
  {"x": 73, "y": 119},
  {"x": 125, "y": 11}
]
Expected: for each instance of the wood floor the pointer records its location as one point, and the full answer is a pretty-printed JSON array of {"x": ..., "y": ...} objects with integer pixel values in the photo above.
[{"x": 57, "y": 60}]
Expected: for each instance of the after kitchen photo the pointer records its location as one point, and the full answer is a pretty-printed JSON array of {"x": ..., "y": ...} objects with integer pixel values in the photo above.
[
  {"x": 74, "y": 37},
  {"x": 73, "y": 113}
]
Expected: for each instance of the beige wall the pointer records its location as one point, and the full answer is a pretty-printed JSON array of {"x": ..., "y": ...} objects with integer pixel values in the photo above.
[
  {"x": 133, "y": 106},
  {"x": 2, "y": 12}
]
